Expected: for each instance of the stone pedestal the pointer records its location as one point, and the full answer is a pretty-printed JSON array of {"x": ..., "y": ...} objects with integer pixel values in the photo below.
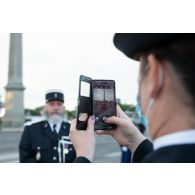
[{"x": 14, "y": 100}]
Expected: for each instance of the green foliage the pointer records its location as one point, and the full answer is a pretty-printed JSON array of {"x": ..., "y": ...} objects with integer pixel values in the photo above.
[
  {"x": 34, "y": 112},
  {"x": 127, "y": 107},
  {"x": 71, "y": 114}
]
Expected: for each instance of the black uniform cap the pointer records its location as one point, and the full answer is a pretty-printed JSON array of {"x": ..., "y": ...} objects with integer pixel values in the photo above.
[
  {"x": 52, "y": 95},
  {"x": 132, "y": 44}
]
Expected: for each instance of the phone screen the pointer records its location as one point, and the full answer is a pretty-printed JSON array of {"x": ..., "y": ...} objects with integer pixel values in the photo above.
[{"x": 104, "y": 104}]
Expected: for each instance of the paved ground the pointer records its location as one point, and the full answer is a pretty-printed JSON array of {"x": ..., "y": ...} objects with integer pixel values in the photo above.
[{"x": 107, "y": 150}]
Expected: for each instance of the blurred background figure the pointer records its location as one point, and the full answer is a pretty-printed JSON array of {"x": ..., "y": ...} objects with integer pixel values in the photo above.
[{"x": 48, "y": 140}]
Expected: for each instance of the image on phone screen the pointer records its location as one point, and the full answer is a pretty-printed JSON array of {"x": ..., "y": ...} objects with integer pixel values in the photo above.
[{"x": 103, "y": 102}]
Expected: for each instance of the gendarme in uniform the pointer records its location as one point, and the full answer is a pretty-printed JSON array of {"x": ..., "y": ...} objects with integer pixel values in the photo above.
[{"x": 40, "y": 142}]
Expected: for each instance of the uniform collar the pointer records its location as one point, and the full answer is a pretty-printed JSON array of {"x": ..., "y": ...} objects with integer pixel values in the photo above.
[
  {"x": 46, "y": 123},
  {"x": 178, "y": 138}
]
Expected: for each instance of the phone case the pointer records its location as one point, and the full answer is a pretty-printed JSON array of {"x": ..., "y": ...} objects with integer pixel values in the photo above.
[
  {"x": 84, "y": 104},
  {"x": 93, "y": 106}
]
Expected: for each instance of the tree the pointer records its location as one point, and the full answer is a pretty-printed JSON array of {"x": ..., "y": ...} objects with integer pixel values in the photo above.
[
  {"x": 127, "y": 107},
  {"x": 34, "y": 112},
  {"x": 71, "y": 114}
]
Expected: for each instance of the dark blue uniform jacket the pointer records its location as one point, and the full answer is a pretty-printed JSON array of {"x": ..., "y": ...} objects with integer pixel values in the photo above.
[{"x": 39, "y": 144}]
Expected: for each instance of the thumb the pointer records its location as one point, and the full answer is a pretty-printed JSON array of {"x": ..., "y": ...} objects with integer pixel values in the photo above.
[{"x": 91, "y": 122}]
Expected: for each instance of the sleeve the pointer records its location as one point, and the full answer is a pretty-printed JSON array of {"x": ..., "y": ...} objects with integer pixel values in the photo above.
[
  {"x": 142, "y": 151},
  {"x": 25, "y": 150},
  {"x": 81, "y": 159}
]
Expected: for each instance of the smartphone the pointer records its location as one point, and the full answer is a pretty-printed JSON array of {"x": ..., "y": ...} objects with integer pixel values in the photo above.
[
  {"x": 103, "y": 102},
  {"x": 84, "y": 105}
]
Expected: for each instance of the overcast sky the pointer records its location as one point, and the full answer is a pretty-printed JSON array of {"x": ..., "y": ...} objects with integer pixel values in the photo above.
[{"x": 56, "y": 61}]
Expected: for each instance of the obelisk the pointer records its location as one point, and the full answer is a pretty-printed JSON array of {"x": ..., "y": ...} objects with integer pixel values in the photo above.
[{"x": 14, "y": 100}]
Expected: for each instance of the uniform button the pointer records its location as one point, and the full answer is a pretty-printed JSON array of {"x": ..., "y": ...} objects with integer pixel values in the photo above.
[
  {"x": 54, "y": 158},
  {"x": 66, "y": 151},
  {"x": 55, "y": 148}
]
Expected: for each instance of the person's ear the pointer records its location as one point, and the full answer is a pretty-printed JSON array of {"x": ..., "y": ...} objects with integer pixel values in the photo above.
[{"x": 155, "y": 75}]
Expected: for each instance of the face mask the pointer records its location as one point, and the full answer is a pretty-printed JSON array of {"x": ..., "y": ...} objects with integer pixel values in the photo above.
[
  {"x": 144, "y": 118},
  {"x": 141, "y": 117}
]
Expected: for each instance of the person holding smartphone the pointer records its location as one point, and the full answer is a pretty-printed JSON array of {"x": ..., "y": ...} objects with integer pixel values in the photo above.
[{"x": 166, "y": 96}]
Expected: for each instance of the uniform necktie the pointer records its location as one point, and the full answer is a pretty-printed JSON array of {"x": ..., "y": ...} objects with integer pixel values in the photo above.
[{"x": 54, "y": 129}]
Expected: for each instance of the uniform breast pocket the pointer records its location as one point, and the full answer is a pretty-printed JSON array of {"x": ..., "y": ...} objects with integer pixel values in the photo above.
[{"x": 40, "y": 151}]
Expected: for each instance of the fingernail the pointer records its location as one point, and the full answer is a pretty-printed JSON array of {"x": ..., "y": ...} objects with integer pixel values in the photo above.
[
  {"x": 92, "y": 117},
  {"x": 105, "y": 119}
]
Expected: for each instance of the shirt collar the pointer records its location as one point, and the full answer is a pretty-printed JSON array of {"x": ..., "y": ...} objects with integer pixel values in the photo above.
[
  {"x": 183, "y": 137},
  {"x": 58, "y": 125}
]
